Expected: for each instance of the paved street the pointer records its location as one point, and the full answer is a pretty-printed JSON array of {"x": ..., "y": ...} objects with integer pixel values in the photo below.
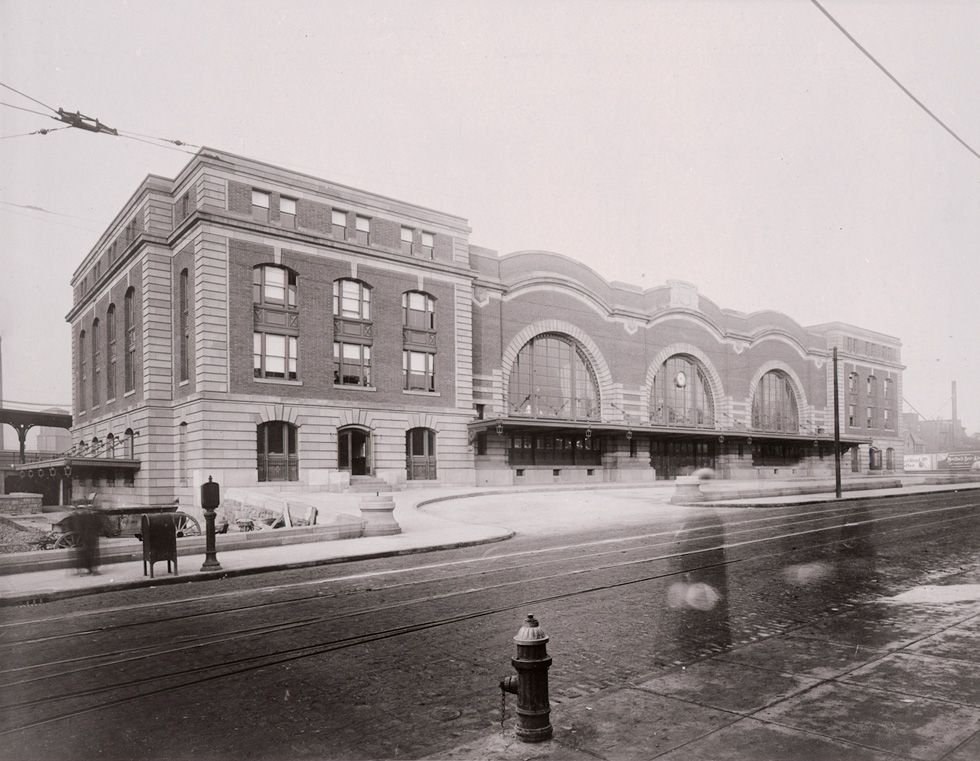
[{"x": 400, "y": 657}]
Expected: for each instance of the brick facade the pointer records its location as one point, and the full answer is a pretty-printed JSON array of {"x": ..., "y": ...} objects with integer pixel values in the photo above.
[{"x": 486, "y": 310}]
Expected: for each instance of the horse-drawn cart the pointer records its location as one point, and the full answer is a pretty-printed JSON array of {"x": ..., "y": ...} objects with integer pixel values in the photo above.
[{"x": 114, "y": 522}]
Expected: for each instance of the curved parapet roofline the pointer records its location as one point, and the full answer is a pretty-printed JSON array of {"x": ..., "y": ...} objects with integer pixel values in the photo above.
[{"x": 530, "y": 270}]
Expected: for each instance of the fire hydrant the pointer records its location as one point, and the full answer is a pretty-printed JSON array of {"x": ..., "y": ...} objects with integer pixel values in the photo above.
[{"x": 531, "y": 683}]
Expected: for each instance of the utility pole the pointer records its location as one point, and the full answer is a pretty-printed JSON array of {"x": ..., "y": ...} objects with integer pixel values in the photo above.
[{"x": 837, "y": 485}]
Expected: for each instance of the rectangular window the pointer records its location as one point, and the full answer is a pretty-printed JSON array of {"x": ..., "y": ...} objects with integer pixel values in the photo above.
[
  {"x": 338, "y": 223},
  {"x": 184, "y": 326},
  {"x": 886, "y": 420},
  {"x": 260, "y": 205},
  {"x": 287, "y": 212},
  {"x": 870, "y": 416},
  {"x": 407, "y": 237},
  {"x": 363, "y": 230},
  {"x": 888, "y": 388},
  {"x": 352, "y": 364},
  {"x": 851, "y": 415},
  {"x": 419, "y": 370},
  {"x": 110, "y": 338},
  {"x": 428, "y": 245},
  {"x": 274, "y": 356}
]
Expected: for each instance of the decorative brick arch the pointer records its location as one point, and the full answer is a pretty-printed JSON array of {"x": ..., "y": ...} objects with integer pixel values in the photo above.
[
  {"x": 802, "y": 405},
  {"x": 714, "y": 377},
  {"x": 356, "y": 418},
  {"x": 270, "y": 412},
  {"x": 418, "y": 420},
  {"x": 597, "y": 362}
]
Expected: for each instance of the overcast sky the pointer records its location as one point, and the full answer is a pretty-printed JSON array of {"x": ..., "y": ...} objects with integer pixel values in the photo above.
[{"x": 748, "y": 147}]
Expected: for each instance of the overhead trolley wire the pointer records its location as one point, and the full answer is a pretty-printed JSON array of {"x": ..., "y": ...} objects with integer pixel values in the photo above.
[
  {"x": 888, "y": 74},
  {"x": 14, "y": 89},
  {"x": 36, "y": 132}
]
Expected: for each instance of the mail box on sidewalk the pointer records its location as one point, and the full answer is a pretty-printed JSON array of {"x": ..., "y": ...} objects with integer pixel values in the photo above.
[{"x": 159, "y": 541}]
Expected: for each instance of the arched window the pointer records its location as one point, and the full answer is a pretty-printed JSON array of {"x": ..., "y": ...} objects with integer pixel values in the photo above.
[
  {"x": 96, "y": 362},
  {"x": 183, "y": 298},
  {"x": 418, "y": 310},
  {"x": 275, "y": 338},
  {"x": 129, "y": 325},
  {"x": 872, "y": 385},
  {"x": 774, "y": 405},
  {"x": 82, "y": 370},
  {"x": 273, "y": 285},
  {"x": 351, "y": 299},
  {"x": 874, "y": 458},
  {"x": 110, "y": 445},
  {"x": 552, "y": 378},
  {"x": 353, "y": 333},
  {"x": 129, "y": 449},
  {"x": 278, "y": 458},
  {"x": 182, "y": 454},
  {"x": 110, "y": 345},
  {"x": 889, "y": 459},
  {"x": 681, "y": 395}
]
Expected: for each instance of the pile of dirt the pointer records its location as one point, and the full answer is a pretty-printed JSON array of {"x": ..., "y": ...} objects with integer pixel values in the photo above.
[{"x": 16, "y": 539}]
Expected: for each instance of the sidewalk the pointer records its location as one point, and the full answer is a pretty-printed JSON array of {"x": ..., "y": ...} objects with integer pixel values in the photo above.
[{"x": 898, "y": 678}]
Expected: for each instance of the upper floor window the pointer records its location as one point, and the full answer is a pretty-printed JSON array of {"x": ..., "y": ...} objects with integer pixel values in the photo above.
[
  {"x": 96, "y": 361},
  {"x": 851, "y": 415},
  {"x": 351, "y": 299},
  {"x": 774, "y": 406},
  {"x": 871, "y": 385},
  {"x": 287, "y": 211},
  {"x": 98, "y": 269},
  {"x": 408, "y": 236},
  {"x": 272, "y": 285},
  {"x": 338, "y": 223},
  {"x": 110, "y": 342},
  {"x": 681, "y": 394},
  {"x": 852, "y": 382},
  {"x": 420, "y": 370},
  {"x": 363, "y": 230},
  {"x": 552, "y": 378},
  {"x": 274, "y": 356},
  {"x": 183, "y": 297},
  {"x": 428, "y": 244},
  {"x": 887, "y": 387},
  {"x": 82, "y": 370},
  {"x": 871, "y": 417},
  {"x": 418, "y": 310},
  {"x": 129, "y": 326},
  {"x": 352, "y": 364},
  {"x": 886, "y": 419},
  {"x": 260, "y": 205}
]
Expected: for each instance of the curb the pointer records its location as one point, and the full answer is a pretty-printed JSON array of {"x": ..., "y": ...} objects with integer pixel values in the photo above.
[{"x": 37, "y": 598}]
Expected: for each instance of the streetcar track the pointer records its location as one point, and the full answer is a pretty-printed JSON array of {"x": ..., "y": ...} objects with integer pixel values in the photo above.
[
  {"x": 740, "y": 526},
  {"x": 672, "y": 534},
  {"x": 289, "y": 654},
  {"x": 458, "y": 577}
]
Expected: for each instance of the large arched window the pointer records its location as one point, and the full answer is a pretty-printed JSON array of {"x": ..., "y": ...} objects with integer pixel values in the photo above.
[
  {"x": 552, "y": 378},
  {"x": 129, "y": 326},
  {"x": 110, "y": 342},
  {"x": 183, "y": 298},
  {"x": 353, "y": 333},
  {"x": 82, "y": 371},
  {"x": 275, "y": 337},
  {"x": 96, "y": 361},
  {"x": 774, "y": 405},
  {"x": 278, "y": 458},
  {"x": 680, "y": 394}
]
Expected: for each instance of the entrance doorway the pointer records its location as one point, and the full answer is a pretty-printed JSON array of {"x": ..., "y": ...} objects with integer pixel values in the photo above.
[
  {"x": 420, "y": 454},
  {"x": 680, "y": 457},
  {"x": 278, "y": 459},
  {"x": 354, "y": 451}
]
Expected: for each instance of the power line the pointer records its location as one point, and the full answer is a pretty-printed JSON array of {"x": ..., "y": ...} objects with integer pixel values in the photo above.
[
  {"x": 35, "y": 132},
  {"x": 888, "y": 74},
  {"x": 29, "y": 97},
  {"x": 28, "y": 110}
]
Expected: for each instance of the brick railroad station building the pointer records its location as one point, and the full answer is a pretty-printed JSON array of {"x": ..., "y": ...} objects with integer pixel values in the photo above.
[{"x": 263, "y": 326}]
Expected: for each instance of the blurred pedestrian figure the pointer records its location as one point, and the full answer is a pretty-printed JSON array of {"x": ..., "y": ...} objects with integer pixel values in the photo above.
[
  {"x": 700, "y": 595},
  {"x": 87, "y": 524}
]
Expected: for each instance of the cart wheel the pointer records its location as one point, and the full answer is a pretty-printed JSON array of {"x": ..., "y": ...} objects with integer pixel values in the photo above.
[
  {"x": 186, "y": 525},
  {"x": 69, "y": 539}
]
